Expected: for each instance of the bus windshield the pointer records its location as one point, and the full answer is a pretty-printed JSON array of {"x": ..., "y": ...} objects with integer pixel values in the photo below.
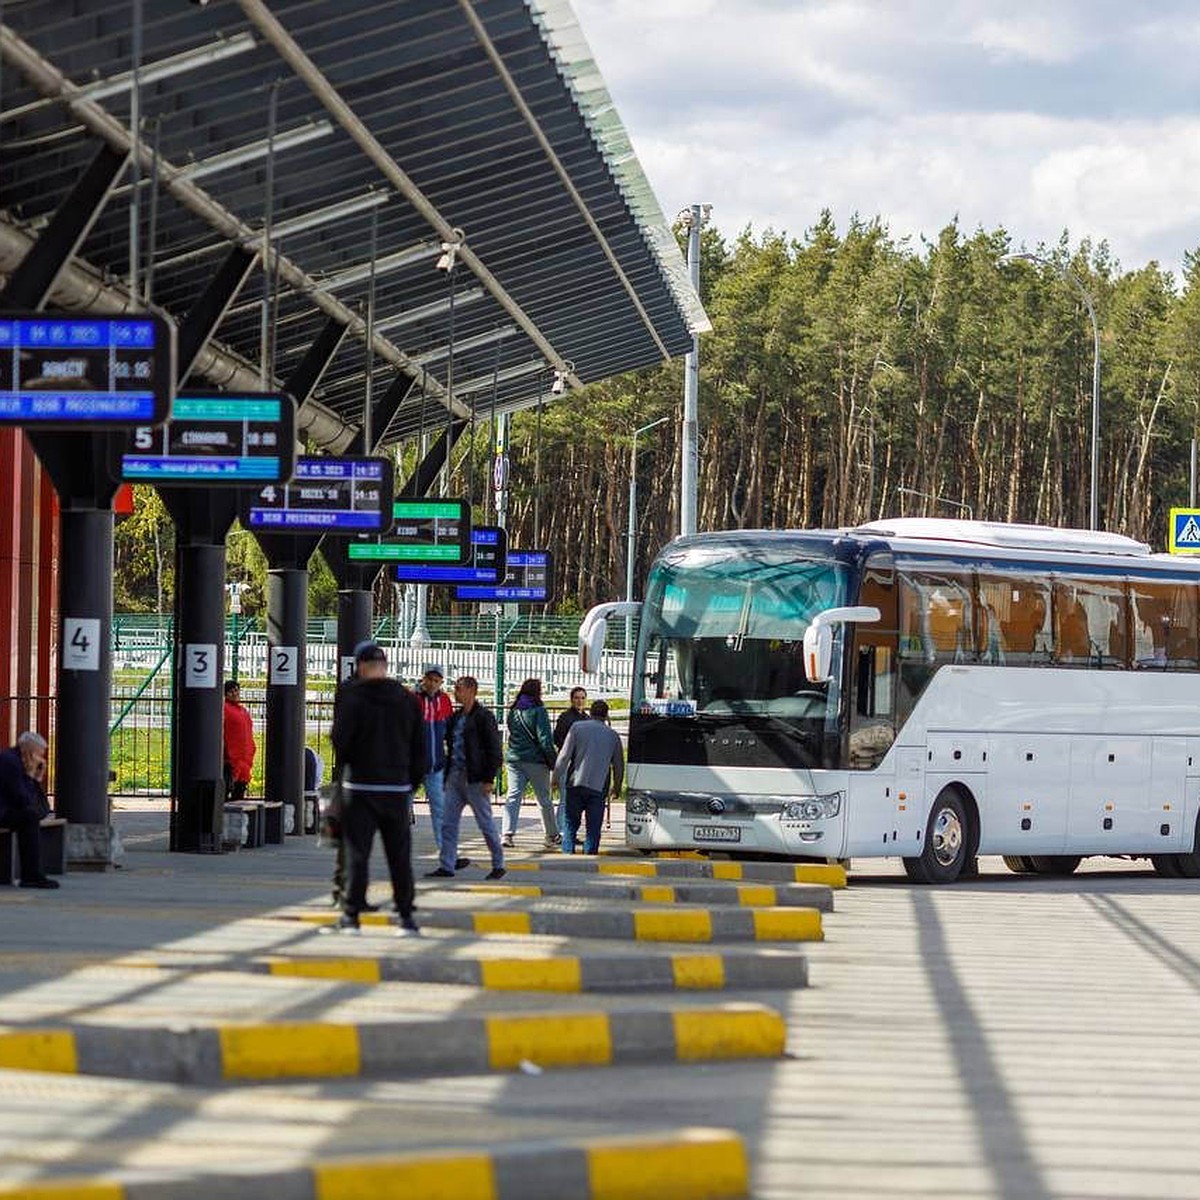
[{"x": 723, "y": 633}]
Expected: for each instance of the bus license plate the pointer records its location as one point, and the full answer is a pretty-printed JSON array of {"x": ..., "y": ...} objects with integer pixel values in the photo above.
[{"x": 717, "y": 833}]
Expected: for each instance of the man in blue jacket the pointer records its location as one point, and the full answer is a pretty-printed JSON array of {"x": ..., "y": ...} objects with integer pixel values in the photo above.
[
  {"x": 472, "y": 763},
  {"x": 23, "y": 804}
]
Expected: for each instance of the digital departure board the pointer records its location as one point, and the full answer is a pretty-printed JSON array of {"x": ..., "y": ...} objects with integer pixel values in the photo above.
[
  {"x": 489, "y": 562},
  {"x": 529, "y": 581},
  {"x": 232, "y": 438},
  {"x": 85, "y": 372},
  {"x": 424, "y": 531},
  {"x": 327, "y": 495}
]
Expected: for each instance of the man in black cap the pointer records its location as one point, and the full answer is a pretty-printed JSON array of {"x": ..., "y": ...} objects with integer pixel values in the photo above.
[{"x": 378, "y": 738}]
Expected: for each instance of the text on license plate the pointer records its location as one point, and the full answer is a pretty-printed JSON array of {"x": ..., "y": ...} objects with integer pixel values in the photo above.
[{"x": 717, "y": 833}]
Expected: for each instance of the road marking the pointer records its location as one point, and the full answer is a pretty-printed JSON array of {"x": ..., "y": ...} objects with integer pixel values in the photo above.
[
  {"x": 685, "y": 926},
  {"x": 566, "y": 1040},
  {"x": 531, "y": 974},
  {"x": 279, "y": 1051},
  {"x": 700, "y": 971}
]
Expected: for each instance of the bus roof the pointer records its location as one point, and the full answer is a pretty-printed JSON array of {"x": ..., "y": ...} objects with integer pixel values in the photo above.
[{"x": 1003, "y": 536}]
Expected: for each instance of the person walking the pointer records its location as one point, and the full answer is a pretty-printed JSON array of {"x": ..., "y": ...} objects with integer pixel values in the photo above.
[
  {"x": 23, "y": 804},
  {"x": 589, "y": 764},
  {"x": 530, "y": 755},
  {"x": 379, "y": 739},
  {"x": 436, "y": 709},
  {"x": 568, "y": 717},
  {"x": 472, "y": 764},
  {"x": 239, "y": 744}
]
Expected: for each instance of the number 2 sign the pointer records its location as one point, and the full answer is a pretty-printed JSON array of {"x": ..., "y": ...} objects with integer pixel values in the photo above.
[{"x": 282, "y": 670}]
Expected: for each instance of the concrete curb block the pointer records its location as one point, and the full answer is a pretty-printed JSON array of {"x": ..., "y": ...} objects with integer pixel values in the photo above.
[
  {"x": 688, "y": 1164},
  {"x": 600, "y": 973},
  {"x": 744, "y": 895},
  {"x": 637, "y": 924},
  {"x": 500, "y": 1042},
  {"x": 830, "y": 875}
]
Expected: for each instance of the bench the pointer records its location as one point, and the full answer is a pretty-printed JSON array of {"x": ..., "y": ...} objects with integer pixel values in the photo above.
[
  {"x": 53, "y": 839},
  {"x": 264, "y": 821}
]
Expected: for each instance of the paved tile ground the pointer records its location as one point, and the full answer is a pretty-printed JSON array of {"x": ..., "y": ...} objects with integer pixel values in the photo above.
[{"x": 1012, "y": 1037}]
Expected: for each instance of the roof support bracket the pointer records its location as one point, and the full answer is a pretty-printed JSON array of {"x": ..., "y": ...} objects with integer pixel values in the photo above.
[
  {"x": 424, "y": 477},
  {"x": 31, "y": 283},
  {"x": 302, "y": 382},
  {"x": 207, "y": 313}
]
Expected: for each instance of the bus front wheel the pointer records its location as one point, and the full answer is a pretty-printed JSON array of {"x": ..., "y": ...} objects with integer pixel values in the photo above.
[{"x": 947, "y": 842}]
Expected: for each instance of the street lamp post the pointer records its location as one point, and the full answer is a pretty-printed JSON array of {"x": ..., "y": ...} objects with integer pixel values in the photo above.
[
  {"x": 631, "y": 539},
  {"x": 1071, "y": 277}
]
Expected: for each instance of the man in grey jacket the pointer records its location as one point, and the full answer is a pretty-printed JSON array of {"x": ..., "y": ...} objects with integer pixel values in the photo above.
[{"x": 590, "y": 758}]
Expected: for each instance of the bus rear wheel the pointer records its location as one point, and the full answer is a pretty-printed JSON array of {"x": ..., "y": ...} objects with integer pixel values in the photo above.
[
  {"x": 1180, "y": 866},
  {"x": 1055, "y": 864},
  {"x": 947, "y": 842},
  {"x": 1019, "y": 864}
]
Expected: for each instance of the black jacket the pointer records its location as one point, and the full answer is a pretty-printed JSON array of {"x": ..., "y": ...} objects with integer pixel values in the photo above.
[
  {"x": 378, "y": 733},
  {"x": 563, "y": 725},
  {"x": 481, "y": 743}
]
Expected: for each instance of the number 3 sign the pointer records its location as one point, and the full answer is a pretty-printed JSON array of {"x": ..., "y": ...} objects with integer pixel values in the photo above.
[
  {"x": 283, "y": 665},
  {"x": 200, "y": 665}
]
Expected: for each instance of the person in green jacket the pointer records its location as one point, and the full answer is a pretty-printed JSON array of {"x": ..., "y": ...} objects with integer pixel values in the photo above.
[{"x": 529, "y": 758}]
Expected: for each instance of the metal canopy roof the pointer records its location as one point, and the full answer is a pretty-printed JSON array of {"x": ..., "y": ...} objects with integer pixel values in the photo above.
[{"x": 429, "y": 117}]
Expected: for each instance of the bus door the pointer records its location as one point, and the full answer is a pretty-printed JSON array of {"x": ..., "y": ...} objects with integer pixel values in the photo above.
[{"x": 872, "y": 808}]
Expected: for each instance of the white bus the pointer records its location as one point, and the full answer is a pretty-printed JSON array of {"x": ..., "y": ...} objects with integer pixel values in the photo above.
[{"x": 928, "y": 689}]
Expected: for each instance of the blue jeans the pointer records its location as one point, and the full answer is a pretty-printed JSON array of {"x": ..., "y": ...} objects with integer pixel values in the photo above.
[
  {"x": 435, "y": 792},
  {"x": 587, "y": 804},
  {"x": 537, "y": 776},
  {"x": 460, "y": 794}
]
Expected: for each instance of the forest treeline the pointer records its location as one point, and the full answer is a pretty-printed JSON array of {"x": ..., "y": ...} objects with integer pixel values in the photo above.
[{"x": 849, "y": 375}]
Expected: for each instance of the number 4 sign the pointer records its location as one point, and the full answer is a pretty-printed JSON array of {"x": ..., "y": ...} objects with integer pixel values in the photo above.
[
  {"x": 81, "y": 643},
  {"x": 283, "y": 665}
]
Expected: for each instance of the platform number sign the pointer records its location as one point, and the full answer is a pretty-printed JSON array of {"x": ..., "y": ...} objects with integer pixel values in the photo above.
[
  {"x": 81, "y": 643},
  {"x": 284, "y": 661},
  {"x": 200, "y": 665}
]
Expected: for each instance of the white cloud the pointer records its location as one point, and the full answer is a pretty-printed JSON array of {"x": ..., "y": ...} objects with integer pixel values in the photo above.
[{"x": 1082, "y": 115}]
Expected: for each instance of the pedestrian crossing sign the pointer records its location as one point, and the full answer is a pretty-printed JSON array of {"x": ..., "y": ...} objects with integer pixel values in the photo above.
[{"x": 1184, "y": 531}]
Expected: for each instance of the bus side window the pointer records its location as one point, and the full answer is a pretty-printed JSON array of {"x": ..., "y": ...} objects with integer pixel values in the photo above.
[
  {"x": 1014, "y": 624},
  {"x": 1091, "y": 623},
  {"x": 1164, "y": 626}
]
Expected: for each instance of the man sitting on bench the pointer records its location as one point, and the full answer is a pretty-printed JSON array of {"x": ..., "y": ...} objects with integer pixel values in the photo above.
[{"x": 23, "y": 803}]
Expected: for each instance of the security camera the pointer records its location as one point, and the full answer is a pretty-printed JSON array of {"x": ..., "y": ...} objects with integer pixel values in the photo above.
[
  {"x": 559, "y": 385},
  {"x": 450, "y": 249}
]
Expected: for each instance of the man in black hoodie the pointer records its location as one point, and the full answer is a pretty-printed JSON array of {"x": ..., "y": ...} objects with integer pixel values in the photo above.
[{"x": 378, "y": 738}]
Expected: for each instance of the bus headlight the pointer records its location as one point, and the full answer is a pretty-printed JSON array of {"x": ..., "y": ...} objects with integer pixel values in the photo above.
[
  {"x": 642, "y": 804},
  {"x": 813, "y": 808}
]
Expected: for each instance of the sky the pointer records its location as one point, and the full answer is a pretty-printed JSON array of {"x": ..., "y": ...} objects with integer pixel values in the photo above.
[{"x": 1031, "y": 115}]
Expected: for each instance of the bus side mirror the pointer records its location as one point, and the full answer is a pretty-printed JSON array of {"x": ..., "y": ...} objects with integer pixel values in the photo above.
[
  {"x": 818, "y": 638},
  {"x": 594, "y": 629}
]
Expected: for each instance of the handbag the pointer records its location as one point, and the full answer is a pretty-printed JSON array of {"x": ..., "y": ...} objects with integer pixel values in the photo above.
[{"x": 333, "y": 800}]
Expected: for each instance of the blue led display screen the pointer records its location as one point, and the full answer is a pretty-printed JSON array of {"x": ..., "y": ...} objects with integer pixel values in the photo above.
[
  {"x": 488, "y": 565},
  {"x": 529, "y": 581},
  {"x": 327, "y": 495},
  {"x": 225, "y": 438},
  {"x": 85, "y": 372}
]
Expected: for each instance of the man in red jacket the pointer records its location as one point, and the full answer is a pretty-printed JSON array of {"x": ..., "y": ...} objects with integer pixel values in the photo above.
[{"x": 239, "y": 744}]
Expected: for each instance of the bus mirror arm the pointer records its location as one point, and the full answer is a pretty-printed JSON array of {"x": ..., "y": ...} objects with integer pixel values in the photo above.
[
  {"x": 594, "y": 629},
  {"x": 818, "y": 638}
]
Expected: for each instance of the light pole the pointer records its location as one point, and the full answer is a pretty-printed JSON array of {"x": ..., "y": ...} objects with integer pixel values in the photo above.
[
  {"x": 1071, "y": 277},
  {"x": 693, "y": 219},
  {"x": 631, "y": 540}
]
